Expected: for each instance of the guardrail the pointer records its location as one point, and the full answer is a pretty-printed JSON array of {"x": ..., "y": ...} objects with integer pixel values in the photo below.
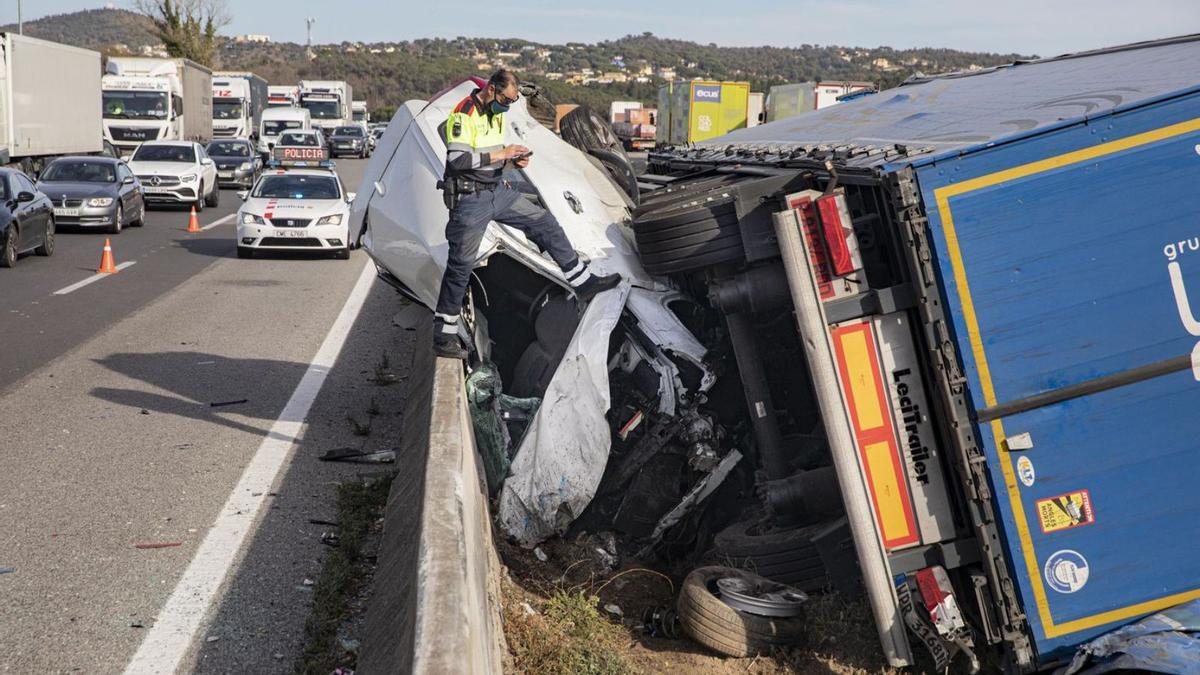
[{"x": 436, "y": 605}]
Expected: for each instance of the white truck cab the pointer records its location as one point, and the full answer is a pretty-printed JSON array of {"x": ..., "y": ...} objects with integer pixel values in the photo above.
[{"x": 147, "y": 99}]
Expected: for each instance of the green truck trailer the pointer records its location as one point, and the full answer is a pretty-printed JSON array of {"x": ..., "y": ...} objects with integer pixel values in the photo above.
[{"x": 698, "y": 110}]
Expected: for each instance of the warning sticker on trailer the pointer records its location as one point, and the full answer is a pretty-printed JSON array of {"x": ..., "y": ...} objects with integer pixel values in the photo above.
[{"x": 1065, "y": 511}]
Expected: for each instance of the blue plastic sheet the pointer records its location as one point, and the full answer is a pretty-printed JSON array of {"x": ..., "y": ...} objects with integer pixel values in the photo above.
[{"x": 1166, "y": 642}]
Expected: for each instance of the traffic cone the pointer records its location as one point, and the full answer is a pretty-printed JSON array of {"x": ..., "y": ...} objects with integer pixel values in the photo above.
[
  {"x": 193, "y": 224},
  {"x": 107, "y": 266}
]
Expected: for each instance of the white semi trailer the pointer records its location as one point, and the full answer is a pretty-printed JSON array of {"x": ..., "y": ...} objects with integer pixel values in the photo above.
[{"x": 49, "y": 101}]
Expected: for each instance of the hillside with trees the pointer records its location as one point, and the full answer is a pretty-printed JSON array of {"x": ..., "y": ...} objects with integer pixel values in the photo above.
[{"x": 630, "y": 68}]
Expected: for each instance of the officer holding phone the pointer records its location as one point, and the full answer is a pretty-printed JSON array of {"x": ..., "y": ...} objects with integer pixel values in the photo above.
[{"x": 476, "y": 194}]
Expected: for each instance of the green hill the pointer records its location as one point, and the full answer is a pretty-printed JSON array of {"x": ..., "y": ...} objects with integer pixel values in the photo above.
[{"x": 97, "y": 29}]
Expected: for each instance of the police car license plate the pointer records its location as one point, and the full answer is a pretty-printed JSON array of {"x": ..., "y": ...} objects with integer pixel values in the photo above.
[
  {"x": 294, "y": 234},
  {"x": 58, "y": 211}
]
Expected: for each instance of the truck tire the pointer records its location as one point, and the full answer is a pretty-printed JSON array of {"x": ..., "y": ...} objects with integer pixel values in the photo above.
[
  {"x": 620, "y": 170},
  {"x": 587, "y": 130},
  {"x": 787, "y": 556},
  {"x": 723, "y": 629},
  {"x": 689, "y": 236}
]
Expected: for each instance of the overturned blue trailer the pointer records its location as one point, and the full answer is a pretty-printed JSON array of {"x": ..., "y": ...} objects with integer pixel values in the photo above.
[{"x": 1028, "y": 237}]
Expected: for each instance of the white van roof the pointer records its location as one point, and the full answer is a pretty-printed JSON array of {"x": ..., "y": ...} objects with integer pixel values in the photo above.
[{"x": 286, "y": 113}]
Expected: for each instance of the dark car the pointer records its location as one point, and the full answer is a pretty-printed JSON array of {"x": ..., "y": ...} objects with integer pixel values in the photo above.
[
  {"x": 238, "y": 164},
  {"x": 349, "y": 140},
  {"x": 26, "y": 218},
  {"x": 93, "y": 192}
]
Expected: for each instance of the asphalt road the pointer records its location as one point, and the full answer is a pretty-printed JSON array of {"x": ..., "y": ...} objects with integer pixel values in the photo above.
[{"x": 112, "y": 444}]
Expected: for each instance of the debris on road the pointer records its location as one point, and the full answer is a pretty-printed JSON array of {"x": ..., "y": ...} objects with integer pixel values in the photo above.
[
  {"x": 7, "y": 570},
  {"x": 219, "y": 404},
  {"x": 363, "y": 456},
  {"x": 168, "y": 544}
]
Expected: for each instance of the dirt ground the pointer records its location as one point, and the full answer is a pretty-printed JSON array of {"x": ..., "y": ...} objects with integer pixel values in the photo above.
[{"x": 841, "y": 637}]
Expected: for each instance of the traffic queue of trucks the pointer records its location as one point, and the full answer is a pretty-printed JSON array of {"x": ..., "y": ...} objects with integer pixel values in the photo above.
[
  {"x": 328, "y": 101},
  {"x": 148, "y": 99},
  {"x": 238, "y": 103}
]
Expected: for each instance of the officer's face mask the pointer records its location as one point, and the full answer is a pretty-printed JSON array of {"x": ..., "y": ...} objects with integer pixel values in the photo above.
[{"x": 501, "y": 103}]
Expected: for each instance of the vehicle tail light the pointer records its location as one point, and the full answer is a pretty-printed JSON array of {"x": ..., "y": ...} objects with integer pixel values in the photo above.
[{"x": 838, "y": 232}]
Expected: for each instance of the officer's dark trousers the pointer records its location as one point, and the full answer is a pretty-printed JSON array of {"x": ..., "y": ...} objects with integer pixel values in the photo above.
[{"x": 465, "y": 230}]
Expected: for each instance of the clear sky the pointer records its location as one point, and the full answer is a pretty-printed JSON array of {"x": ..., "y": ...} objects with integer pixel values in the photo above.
[{"x": 1044, "y": 27}]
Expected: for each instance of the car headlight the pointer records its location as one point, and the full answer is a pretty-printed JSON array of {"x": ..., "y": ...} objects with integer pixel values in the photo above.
[
  {"x": 188, "y": 178},
  {"x": 251, "y": 219},
  {"x": 100, "y": 201},
  {"x": 333, "y": 219},
  {"x": 244, "y": 167}
]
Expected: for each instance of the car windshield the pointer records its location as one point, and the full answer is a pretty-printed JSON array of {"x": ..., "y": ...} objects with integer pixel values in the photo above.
[
  {"x": 302, "y": 140},
  {"x": 79, "y": 171},
  {"x": 323, "y": 110},
  {"x": 297, "y": 186},
  {"x": 164, "y": 153},
  {"x": 227, "y": 109},
  {"x": 348, "y": 131},
  {"x": 276, "y": 127},
  {"x": 135, "y": 105},
  {"x": 228, "y": 149}
]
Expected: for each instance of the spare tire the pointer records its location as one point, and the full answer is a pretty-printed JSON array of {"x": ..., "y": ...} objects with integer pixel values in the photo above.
[
  {"x": 587, "y": 130},
  {"x": 620, "y": 170},
  {"x": 690, "y": 235},
  {"x": 725, "y": 630}
]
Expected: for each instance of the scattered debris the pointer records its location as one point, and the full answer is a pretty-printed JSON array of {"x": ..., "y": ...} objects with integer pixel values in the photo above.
[
  {"x": 165, "y": 544},
  {"x": 278, "y": 656},
  {"x": 716, "y": 625},
  {"x": 528, "y": 609},
  {"x": 218, "y": 404},
  {"x": 137, "y": 623},
  {"x": 308, "y": 582},
  {"x": 212, "y": 638},
  {"x": 357, "y": 428},
  {"x": 541, "y": 555},
  {"x": 7, "y": 570},
  {"x": 364, "y": 456},
  {"x": 145, "y": 412},
  {"x": 615, "y": 610},
  {"x": 331, "y": 539},
  {"x": 661, "y": 622},
  {"x": 318, "y": 521}
]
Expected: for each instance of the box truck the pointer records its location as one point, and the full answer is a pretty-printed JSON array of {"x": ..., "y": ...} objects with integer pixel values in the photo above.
[
  {"x": 147, "y": 99},
  {"x": 328, "y": 101},
  {"x": 698, "y": 110},
  {"x": 49, "y": 98},
  {"x": 359, "y": 111},
  {"x": 994, "y": 326},
  {"x": 636, "y": 127},
  {"x": 789, "y": 100},
  {"x": 283, "y": 95},
  {"x": 238, "y": 101}
]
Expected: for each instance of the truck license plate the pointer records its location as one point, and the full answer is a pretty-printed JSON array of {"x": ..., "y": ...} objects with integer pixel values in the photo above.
[
  {"x": 294, "y": 234},
  {"x": 58, "y": 211}
]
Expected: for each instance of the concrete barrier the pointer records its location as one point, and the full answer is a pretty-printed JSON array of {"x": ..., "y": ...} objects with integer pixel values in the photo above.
[{"x": 436, "y": 601}]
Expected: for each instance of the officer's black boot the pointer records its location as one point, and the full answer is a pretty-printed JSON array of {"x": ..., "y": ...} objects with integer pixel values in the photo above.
[
  {"x": 595, "y": 285},
  {"x": 449, "y": 346}
]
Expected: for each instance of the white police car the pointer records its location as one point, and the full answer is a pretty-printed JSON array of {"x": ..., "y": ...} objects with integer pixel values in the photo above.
[{"x": 296, "y": 205}]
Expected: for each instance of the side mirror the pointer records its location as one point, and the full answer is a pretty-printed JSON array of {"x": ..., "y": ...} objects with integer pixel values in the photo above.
[
  {"x": 126, "y": 158},
  {"x": 350, "y": 196},
  {"x": 206, "y": 162},
  {"x": 243, "y": 195},
  {"x": 25, "y": 196},
  {"x": 128, "y": 180}
]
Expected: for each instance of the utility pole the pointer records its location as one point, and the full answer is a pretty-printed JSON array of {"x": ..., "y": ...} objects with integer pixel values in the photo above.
[
  {"x": 20, "y": 23},
  {"x": 310, "y": 21}
]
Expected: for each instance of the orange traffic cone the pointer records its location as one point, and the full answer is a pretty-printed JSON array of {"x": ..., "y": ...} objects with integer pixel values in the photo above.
[
  {"x": 193, "y": 224},
  {"x": 107, "y": 266}
]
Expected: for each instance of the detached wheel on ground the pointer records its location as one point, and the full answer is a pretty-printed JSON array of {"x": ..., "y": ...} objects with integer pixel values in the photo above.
[
  {"x": 689, "y": 235},
  {"x": 716, "y": 625}
]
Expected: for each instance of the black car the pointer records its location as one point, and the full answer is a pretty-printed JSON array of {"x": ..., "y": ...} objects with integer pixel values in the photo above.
[
  {"x": 93, "y": 192},
  {"x": 26, "y": 218},
  {"x": 349, "y": 140},
  {"x": 237, "y": 161}
]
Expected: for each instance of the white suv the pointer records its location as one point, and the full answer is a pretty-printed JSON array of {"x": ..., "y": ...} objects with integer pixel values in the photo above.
[{"x": 176, "y": 172}]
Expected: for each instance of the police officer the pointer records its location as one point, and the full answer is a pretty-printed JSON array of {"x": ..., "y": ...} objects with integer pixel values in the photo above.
[{"x": 476, "y": 194}]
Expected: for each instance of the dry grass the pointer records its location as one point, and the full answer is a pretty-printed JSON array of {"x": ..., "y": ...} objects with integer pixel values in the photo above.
[{"x": 566, "y": 635}]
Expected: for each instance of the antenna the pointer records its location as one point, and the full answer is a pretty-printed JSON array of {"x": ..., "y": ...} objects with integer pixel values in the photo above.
[{"x": 310, "y": 21}]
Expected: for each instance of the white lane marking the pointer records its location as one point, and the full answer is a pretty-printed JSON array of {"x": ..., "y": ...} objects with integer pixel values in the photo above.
[
  {"x": 92, "y": 279},
  {"x": 219, "y": 221},
  {"x": 180, "y": 618}
]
